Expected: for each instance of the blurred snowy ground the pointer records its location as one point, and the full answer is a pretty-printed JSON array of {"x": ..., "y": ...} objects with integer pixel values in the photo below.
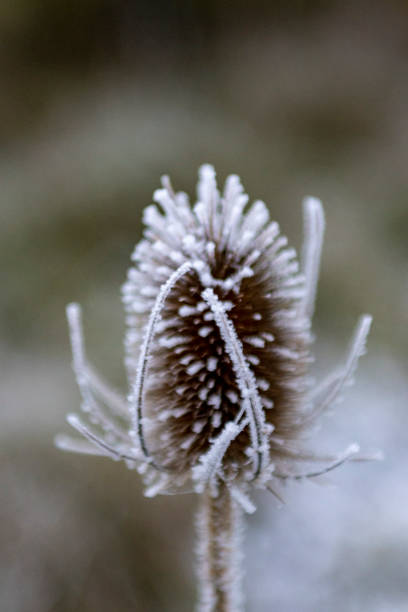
[
  {"x": 342, "y": 544},
  {"x": 296, "y": 104}
]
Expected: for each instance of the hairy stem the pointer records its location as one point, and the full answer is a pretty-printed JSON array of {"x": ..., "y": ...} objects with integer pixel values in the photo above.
[{"x": 219, "y": 553}]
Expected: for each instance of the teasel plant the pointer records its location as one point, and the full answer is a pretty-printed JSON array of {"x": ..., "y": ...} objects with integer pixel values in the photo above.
[{"x": 218, "y": 352}]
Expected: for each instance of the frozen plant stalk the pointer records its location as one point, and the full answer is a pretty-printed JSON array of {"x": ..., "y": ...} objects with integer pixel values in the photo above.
[{"x": 218, "y": 348}]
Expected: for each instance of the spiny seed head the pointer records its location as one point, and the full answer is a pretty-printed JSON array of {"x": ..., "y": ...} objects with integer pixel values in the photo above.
[
  {"x": 218, "y": 346},
  {"x": 192, "y": 388}
]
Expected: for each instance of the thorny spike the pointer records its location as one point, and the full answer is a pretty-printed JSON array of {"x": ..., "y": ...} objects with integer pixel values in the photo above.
[
  {"x": 327, "y": 393},
  {"x": 243, "y": 500},
  {"x": 165, "y": 181},
  {"x": 75, "y": 422},
  {"x": 87, "y": 378},
  {"x": 76, "y": 336},
  {"x": 312, "y": 247},
  {"x": 348, "y": 455},
  {"x": 78, "y": 445}
]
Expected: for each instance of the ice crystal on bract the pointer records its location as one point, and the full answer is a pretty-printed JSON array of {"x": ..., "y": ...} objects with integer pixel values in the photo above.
[{"x": 218, "y": 348}]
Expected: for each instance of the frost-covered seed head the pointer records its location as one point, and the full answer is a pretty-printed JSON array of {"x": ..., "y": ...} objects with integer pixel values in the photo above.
[
  {"x": 193, "y": 388},
  {"x": 218, "y": 346}
]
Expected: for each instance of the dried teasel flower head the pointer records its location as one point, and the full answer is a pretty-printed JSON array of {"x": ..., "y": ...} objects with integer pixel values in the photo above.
[{"x": 218, "y": 347}]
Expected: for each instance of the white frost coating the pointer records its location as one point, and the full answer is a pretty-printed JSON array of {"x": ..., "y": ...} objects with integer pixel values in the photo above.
[
  {"x": 202, "y": 393},
  {"x": 210, "y": 250},
  {"x": 313, "y": 221},
  {"x": 180, "y": 389},
  {"x": 212, "y": 364},
  {"x": 330, "y": 389},
  {"x": 214, "y": 400},
  {"x": 245, "y": 379},
  {"x": 242, "y": 499},
  {"x": 216, "y": 420},
  {"x": 208, "y": 198},
  {"x": 77, "y": 445},
  {"x": 164, "y": 198},
  {"x": 232, "y": 396},
  {"x": 195, "y": 367},
  {"x": 198, "y": 426},
  {"x": 163, "y": 271},
  {"x": 219, "y": 557},
  {"x": 263, "y": 384},
  {"x": 350, "y": 454},
  {"x": 77, "y": 424},
  {"x": 181, "y": 201},
  {"x": 205, "y": 331},
  {"x": 186, "y": 359},
  {"x": 234, "y": 281},
  {"x": 151, "y": 218},
  {"x": 286, "y": 261},
  {"x": 234, "y": 202},
  {"x": 172, "y": 341},
  {"x": 136, "y": 398},
  {"x": 164, "y": 415},
  {"x": 148, "y": 291},
  {"x": 87, "y": 378},
  {"x": 179, "y": 412},
  {"x": 138, "y": 306},
  {"x": 187, "y": 442},
  {"x": 211, "y": 461},
  {"x": 254, "y": 359},
  {"x": 177, "y": 257},
  {"x": 286, "y": 353},
  {"x": 187, "y": 311},
  {"x": 289, "y": 293},
  {"x": 255, "y": 341},
  {"x": 189, "y": 244},
  {"x": 159, "y": 486},
  {"x": 256, "y": 217}
]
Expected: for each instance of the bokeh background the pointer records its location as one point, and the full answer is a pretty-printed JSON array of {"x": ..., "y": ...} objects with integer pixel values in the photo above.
[{"x": 99, "y": 98}]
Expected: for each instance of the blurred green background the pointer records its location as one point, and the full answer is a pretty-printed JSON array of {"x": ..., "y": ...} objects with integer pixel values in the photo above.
[{"x": 97, "y": 100}]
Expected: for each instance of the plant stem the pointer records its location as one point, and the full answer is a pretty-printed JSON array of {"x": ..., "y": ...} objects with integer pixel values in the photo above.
[{"x": 219, "y": 553}]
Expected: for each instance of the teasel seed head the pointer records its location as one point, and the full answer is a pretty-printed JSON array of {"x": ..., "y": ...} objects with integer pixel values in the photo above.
[{"x": 218, "y": 347}]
